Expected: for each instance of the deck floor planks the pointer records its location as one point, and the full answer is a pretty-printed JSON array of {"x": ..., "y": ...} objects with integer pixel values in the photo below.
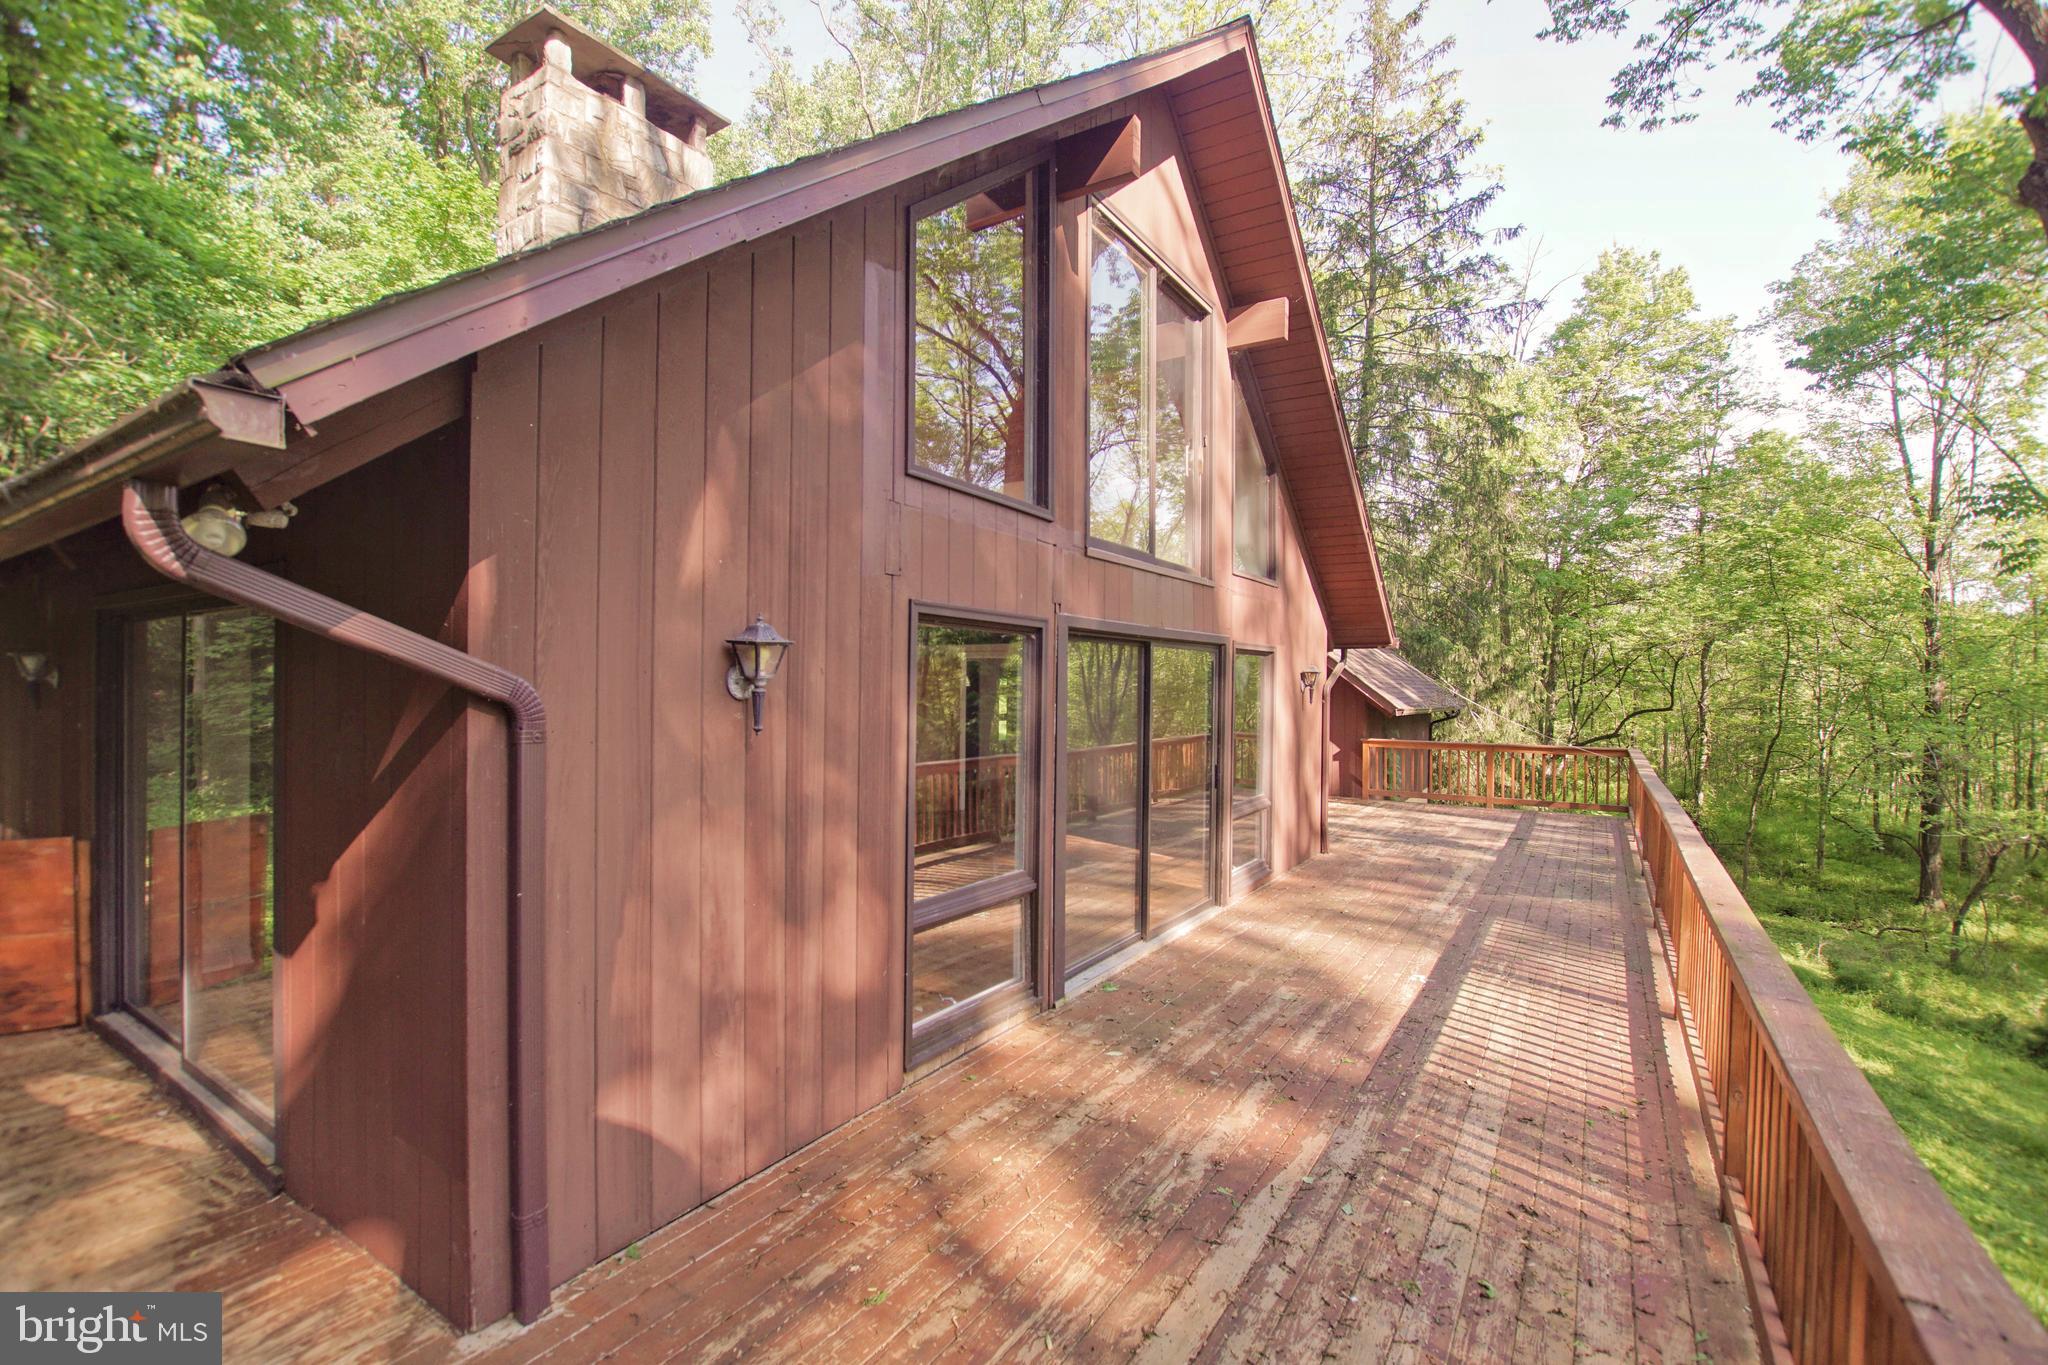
[
  {"x": 1451, "y": 1027},
  {"x": 961, "y": 1244},
  {"x": 110, "y": 1186}
]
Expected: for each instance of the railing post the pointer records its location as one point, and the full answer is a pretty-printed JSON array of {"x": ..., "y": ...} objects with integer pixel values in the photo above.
[
  {"x": 1734, "y": 1088},
  {"x": 1491, "y": 754}
]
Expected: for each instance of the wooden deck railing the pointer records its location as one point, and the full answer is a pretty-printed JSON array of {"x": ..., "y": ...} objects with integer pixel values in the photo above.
[
  {"x": 1866, "y": 1258},
  {"x": 961, "y": 800},
  {"x": 1550, "y": 776},
  {"x": 1851, "y": 1251}
]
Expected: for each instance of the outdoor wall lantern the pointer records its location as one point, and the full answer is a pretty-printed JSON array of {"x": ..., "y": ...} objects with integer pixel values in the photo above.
[
  {"x": 757, "y": 652},
  {"x": 1308, "y": 684},
  {"x": 38, "y": 670}
]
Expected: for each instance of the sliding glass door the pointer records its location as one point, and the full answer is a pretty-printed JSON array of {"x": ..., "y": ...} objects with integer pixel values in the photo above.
[
  {"x": 975, "y": 787},
  {"x": 1181, "y": 843},
  {"x": 1139, "y": 842},
  {"x": 195, "y": 923},
  {"x": 1104, "y": 876}
]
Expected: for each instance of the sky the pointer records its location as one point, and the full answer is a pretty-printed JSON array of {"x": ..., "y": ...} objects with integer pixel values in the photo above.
[{"x": 1728, "y": 197}]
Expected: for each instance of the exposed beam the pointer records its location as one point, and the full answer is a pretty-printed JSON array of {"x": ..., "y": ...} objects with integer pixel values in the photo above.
[{"x": 1258, "y": 324}]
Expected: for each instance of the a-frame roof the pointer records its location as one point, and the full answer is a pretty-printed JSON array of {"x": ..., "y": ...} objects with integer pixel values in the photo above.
[{"x": 1217, "y": 92}]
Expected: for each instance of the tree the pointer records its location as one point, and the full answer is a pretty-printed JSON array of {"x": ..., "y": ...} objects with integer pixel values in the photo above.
[
  {"x": 1824, "y": 67},
  {"x": 182, "y": 179},
  {"x": 1636, "y": 387},
  {"x": 1943, "y": 386}
]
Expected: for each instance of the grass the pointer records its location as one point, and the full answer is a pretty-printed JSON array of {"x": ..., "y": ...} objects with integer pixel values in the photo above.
[{"x": 1959, "y": 1055}]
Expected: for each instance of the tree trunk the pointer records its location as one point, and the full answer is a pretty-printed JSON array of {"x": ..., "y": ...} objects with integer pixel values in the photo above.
[
  {"x": 1934, "y": 689},
  {"x": 2026, "y": 23},
  {"x": 1969, "y": 901},
  {"x": 1763, "y": 769},
  {"x": 1699, "y": 771}
]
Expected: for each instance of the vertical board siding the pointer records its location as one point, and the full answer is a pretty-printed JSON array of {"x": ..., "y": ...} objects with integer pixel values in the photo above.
[
  {"x": 727, "y": 909},
  {"x": 841, "y": 590},
  {"x": 566, "y": 668},
  {"x": 624, "y": 904},
  {"x": 724, "y": 726},
  {"x": 680, "y": 524},
  {"x": 767, "y": 753},
  {"x": 498, "y": 597},
  {"x": 370, "y": 859}
]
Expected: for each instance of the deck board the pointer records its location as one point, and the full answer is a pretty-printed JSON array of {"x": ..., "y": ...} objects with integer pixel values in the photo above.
[{"x": 1412, "y": 1102}]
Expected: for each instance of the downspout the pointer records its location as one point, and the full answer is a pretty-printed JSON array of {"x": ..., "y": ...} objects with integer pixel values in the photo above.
[{"x": 149, "y": 514}]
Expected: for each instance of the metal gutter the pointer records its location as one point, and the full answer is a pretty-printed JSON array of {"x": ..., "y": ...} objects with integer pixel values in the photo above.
[
  {"x": 149, "y": 516},
  {"x": 225, "y": 403}
]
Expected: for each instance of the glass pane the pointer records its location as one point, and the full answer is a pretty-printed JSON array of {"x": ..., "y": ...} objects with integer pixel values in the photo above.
[
  {"x": 1177, "y": 434},
  {"x": 1183, "y": 780},
  {"x": 1251, "y": 520},
  {"x": 1248, "y": 772},
  {"x": 227, "y": 901},
  {"x": 970, "y": 351},
  {"x": 1248, "y": 839},
  {"x": 972, "y": 718},
  {"x": 157, "y": 648},
  {"x": 1119, "y": 478},
  {"x": 1101, "y": 851},
  {"x": 959, "y": 960}
]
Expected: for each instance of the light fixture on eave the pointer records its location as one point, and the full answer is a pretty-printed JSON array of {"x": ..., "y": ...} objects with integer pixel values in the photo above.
[
  {"x": 217, "y": 524},
  {"x": 757, "y": 652}
]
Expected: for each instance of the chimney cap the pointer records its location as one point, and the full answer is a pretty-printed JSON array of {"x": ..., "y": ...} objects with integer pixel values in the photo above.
[{"x": 667, "y": 107}]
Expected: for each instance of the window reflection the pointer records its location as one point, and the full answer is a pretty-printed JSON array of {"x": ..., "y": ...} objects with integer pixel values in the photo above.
[
  {"x": 971, "y": 351},
  {"x": 1102, "y": 900},
  {"x": 1179, "y": 845},
  {"x": 1251, "y": 803},
  {"x": 1251, "y": 520},
  {"x": 974, "y": 786},
  {"x": 1145, "y": 394}
]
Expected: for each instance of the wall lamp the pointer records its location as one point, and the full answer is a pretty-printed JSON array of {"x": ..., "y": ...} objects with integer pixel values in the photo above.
[
  {"x": 757, "y": 652},
  {"x": 38, "y": 670},
  {"x": 1308, "y": 684}
]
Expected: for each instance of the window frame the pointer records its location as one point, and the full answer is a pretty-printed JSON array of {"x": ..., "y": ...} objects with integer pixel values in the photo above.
[
  {"x": 1036, "y": 170},
  {"x": 1100, "y": 217},
  {"x": 1251, "y": 871},
  {"x": 1245, "y": 392},
  {"x": 1151, "y": 929},
  {"x": 234, "y": 1115},
  {"x": 972, "y": 1018}
]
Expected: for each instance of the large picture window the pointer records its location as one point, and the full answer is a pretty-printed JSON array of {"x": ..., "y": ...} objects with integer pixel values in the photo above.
[
  {"x": 974, "y": 321},
  {"x": 1252, "y": 501},
  {"x": 1146, "y": 394},
  {"x": 194, "y": 925},
  {"x": 973, "y": 888}
]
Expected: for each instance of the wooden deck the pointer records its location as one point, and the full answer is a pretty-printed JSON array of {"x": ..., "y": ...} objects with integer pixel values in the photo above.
[
  {"x": 108, "y": 1184},
  {"x": 1413, "y": 1102}
]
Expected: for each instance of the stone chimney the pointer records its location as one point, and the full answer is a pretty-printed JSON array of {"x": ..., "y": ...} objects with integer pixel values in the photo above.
[{"x": 586, "y": 134}]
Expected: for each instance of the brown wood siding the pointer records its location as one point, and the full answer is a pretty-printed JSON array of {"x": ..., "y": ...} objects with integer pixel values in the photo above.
[
  {"x": 727, "y": 910},
  {"x": 370, "y": 848}
]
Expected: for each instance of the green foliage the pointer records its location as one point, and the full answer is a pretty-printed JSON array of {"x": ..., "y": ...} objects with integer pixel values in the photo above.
[
  {"x": 1859, "y": 71},
  {"x": 182, "y": 179},
  {"x": 1956, "y": 1054}
]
